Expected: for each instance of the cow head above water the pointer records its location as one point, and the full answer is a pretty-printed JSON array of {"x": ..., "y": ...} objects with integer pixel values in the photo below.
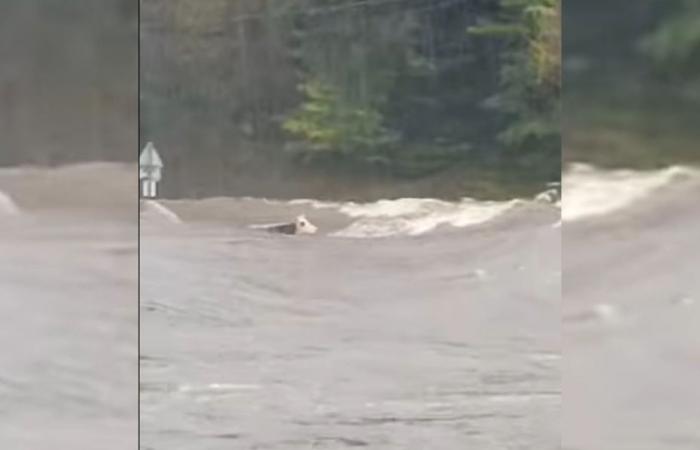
[{"x": 304, "y": 226}]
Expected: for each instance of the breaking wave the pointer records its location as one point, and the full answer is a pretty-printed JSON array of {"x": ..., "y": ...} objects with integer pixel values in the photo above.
[
  {"x": 381, "y": 218},
  {"x": 100, "y": 190},
  {"x": 591, "y": 192},
  {"x": 156, "y": 211},
  {"x": 7, "y": 206},
  {"x": 413, "y": 216}
]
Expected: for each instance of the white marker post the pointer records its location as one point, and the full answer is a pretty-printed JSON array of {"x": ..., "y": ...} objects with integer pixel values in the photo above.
[{"x": 150, "y": 166}]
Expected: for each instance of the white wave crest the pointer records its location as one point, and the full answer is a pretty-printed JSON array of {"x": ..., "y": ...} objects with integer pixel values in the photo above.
[
  {"x": 154, "y": 209},
  {"x": 316, "y": 204},
  {"x": 414, "y": 216},
  {"x": 593, "y": 192},
  {"x": 7, "y": 206},
  {"x": 551, "y": 196}
]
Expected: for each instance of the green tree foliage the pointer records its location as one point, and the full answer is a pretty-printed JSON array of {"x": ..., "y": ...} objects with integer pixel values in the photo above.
[
  {"x": 347, "y": 57},
  {"x": 674, "y": 47},
  {"x": 530, "y": 72},
  {"x": 330, "y": 124},
  {"x": 392, "y": 82}
]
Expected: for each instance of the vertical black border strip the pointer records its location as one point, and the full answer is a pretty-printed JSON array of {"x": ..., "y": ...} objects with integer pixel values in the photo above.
[{"x": 138, "y": 225}]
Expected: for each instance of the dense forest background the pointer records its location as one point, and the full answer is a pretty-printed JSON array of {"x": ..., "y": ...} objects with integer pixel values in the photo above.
[
  {"x": 444, "y": 96},
  {"x": 632, "y": 82},
  {"x": 352, "y": 97},
  {"x": 68, "y": 81}
]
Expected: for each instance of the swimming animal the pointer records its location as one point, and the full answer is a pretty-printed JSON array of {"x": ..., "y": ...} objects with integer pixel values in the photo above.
[{"x": 301, "y": 225}]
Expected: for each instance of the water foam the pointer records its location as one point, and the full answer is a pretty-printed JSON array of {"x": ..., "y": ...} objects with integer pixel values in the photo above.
[
  {"x": 154, "y": 208},
  {"x": 7, "y": 206},
  {"x": 415, "y": 216},
  {"x": 592, "y": 192},
  {"x": 316, "y": 204}
]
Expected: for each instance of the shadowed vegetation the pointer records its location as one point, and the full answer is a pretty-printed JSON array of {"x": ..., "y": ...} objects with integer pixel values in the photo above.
[
  {"x": 632, "y": 82},
  {"x": 392, "y": 91}
]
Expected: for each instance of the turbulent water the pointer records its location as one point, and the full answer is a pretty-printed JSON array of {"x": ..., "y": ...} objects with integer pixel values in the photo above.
[
  {"x": 68, "y": 287},
  {"x": 403, "y": 324},
  {"x": 409, "y": 323},
  {"x": 631, "y": 292}
]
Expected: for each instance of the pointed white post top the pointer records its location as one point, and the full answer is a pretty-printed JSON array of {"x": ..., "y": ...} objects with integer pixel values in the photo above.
[
  {"x": 150, "y": 157},
  {"x": 150, "y": 163}
]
